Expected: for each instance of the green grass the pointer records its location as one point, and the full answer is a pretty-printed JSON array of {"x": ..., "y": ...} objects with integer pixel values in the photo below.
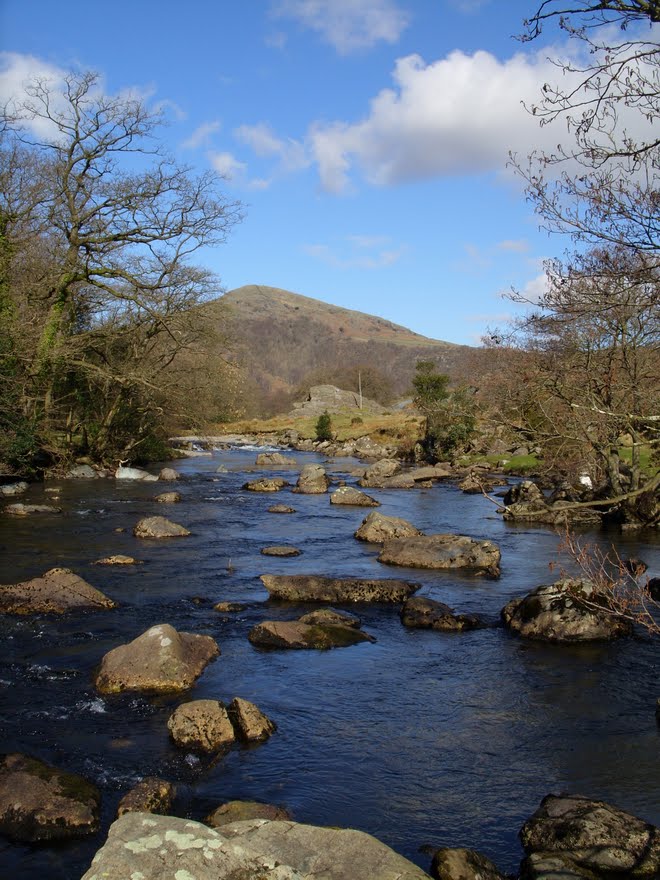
[{"x": 649, "y": 469}]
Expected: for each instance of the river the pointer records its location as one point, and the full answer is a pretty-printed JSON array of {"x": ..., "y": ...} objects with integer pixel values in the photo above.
[{"x": 421, "y": 738}]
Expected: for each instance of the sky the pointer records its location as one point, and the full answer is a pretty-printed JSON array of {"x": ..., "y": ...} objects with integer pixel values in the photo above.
[{"x": 367, "y": 139}]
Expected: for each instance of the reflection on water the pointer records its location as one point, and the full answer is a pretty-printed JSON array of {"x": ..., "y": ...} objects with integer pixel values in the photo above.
[{"x": 421, "y": 738}]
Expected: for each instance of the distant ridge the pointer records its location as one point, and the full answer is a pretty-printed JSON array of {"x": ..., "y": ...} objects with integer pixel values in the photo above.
[{"x": 283, "y": 338}]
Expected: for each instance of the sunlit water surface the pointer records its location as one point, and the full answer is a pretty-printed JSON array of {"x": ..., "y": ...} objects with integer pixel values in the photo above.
[{"x": 421, "y": 739}]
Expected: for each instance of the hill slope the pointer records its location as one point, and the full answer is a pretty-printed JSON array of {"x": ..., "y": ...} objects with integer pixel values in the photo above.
[{"x": 284, "y": 339}]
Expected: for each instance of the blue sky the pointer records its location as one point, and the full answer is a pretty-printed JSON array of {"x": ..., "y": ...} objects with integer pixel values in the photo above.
[{"x": 367, "y": 139}]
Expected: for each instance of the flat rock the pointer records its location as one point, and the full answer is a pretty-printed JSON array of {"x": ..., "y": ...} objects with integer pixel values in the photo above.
[
  {"x": 297, "y": 635},
  {"x": 164, "y": 847},
  {"x": 159, "y": 527},
  {"x": 280, "y": 550},
  {"x": 266, "y": 484},
  {"x": 150, "y": 795},
  {"x": 566, "y": 611},
  {"x": 315, "y": 588},
  {"x": 240, "y": 811},
  {"x": 313, "y": 480},
  {"x": 20, "y": 509},
  {"x": 281, "y": 508},
  {"x": 330, "y": 615},
  {"x": 351, "y": 496},
  {"x": 250, "y": 723},
  {"x": 421, "y": 613},
  {"x": 40, "y": 803},
  {"x": 118, "y": 559},
  {"x": 274, "y": 459},
  {"x": 451, "y": 863},
  {"x": 161, "y": 660},
  {"x": 12, "y": 489},
  {"x": 573, "y": 834},
  {"x": 168, "y": 498},
  {"x": 55, "y": 592},
  {"x": 443, "y": 552},
  {"x": 430, "y": 472},
  {"x": 201, "y": 726},
  {"x": 377, "y": 528}
]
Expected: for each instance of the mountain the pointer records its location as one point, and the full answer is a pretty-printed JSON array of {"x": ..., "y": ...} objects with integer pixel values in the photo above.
[{"x": 286, "y": 341}]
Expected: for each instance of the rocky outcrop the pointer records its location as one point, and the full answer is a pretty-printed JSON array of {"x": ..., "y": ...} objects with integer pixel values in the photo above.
[
  {"x": 282, "y": 550},
  {"x": 250, "y": 723},
  {"x": 375, "y": 476},
  {"x": 351, "y": 496},
  {"x": 313, "y": 480},
  {"x": 463, "y": 864},
  {"x": 443, "y": 552},
  {"x": 161, "y": 660},
  {"x": 168, "y": 498},
  {"x": 265, "y": 484},
  {"x": 163, "y": 846},
  {"x": 419, "y": 612},
  {"x": 297, "y": 634},
  {"x": 241, "y": 811},
  {"x": 566, "y": 611},
  {"x": 159, "y": 527},
  {"x": 201, "y": 726},
  {"x": 314, "y": 588},
  {"x": 322, "y": 398},
  {"x": 40, "y": 803},
  {"x": 572, "y": 836},
  {"x": 377, "y": 528},
  {"x": 55, "y": 592},
  {"x": 274, "y": 459},
  {"x": 150, "y": 795}
]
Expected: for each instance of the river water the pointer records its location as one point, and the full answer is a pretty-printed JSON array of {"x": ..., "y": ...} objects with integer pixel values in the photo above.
[{"x": 422, "y": 738}]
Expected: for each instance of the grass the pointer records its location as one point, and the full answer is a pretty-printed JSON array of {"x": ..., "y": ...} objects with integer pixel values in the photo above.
[{"x": 648, "y": 468}]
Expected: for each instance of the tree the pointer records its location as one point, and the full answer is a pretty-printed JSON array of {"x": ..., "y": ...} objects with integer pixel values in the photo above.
[
  {"x": 99, "y": 230},
  {"x": 323, "y": 427},
  {"x": 449, "y": 415}
]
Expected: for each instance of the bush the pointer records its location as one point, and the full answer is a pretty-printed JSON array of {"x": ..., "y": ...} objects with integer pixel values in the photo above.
[{"x": 324, "y": 427}]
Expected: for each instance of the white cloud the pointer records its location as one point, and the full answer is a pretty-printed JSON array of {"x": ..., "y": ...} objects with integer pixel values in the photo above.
[
  {"x": 292, "y": 155},
  {"x": 348, "y": 25},
  {"x": 17, "y": 72},
  {"x": 201, "y": 136},
  {"x": 461, "y": 114},
  {"x": 357, "y": 255},
  {"x": 535, "y": 289},
  {"x": 227, "y": 165},
  {"x": 514, "y": 246}
]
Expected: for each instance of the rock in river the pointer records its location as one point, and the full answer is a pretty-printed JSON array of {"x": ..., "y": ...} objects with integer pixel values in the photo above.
[
  {"x": 377, "y": 528},
  {"x": 314, "y": 588},
  {"x": 566, "y": 611},
  {"x": 377, "y": 474},
  {"x": 161, "y": 660},
  {"x": 240, "y": 811},
  {"x": 150, "y": 795},
  {"x": 463, "y": 864},
  {"x": 250, "y": 723},
  {"x": 443, "y": 552},
  {"x": 299, "y": 635},
  {"x": 571, "y": 836},
  {"x": 55, "y": 592},
  {"x": 283, "y": 550},
  {"x": 39, "y": 803},
  {"x": 159, "y": 527},
  {"x": 20, "y": 509},
  {"x": 201, "y": 726},
  {"x": 351, "y": 496},
  {"x": 313, "y": 480},
  {"x": 164, "y": 846},
  {"x": 266, "y": 484},
  {"x": 168, "y": 498},
  {"x": 421, "y": 613}
]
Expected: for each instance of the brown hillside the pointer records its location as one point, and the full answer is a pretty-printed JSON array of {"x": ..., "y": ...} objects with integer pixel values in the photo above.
[{"x": 284, "y": 340}]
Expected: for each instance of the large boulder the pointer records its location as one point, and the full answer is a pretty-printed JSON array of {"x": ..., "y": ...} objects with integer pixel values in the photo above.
[
  {"x": 299, "y": 635},
  {"x": 39, "y": 802},
  {"x": 169, "y": 474},
  {"x": 274, "y": 459},
  {"x": 131, "y": 473},
  {"x": 164, "y": 846},
  {"x": 55, "y": 592},
  {"x": 313, "y": 480},
  {"x": 150, "y": 795},
  {"x": 450, "y": 863},
  {"x": 161, "y": 660},
  {"x": 566, "y": 611},
  {"x": 351, "y": 496},
  {"x": 314, "y": 588},
  {"x": 443, "y": 552},
  {"x": 377, "y": 528},
  {"x": 375, "y": 475},
  {"x": 159, "y": 527},
  {"x": 240, "y": 811},
  {"x": 419, "y": 612},
  {"x": 572, "y": 836},
  {"x": 201, "y": 726}
]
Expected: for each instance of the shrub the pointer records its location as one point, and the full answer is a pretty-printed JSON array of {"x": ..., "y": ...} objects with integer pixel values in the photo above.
[{"x": 324, "y": 427}]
